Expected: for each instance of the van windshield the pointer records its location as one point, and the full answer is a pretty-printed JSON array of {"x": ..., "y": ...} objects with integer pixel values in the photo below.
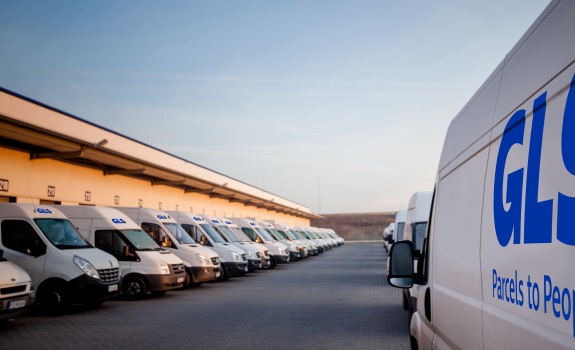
[
  {"x": 62, "y": 234},
  {"x": 230, "y": 234},
  {"x": 213, "y": 234},
  {"x": 399, "y": 230},
  {"x": 283, "y": 234},
  {"x": 140, "y": 240},
  {"x": 177, "y": 231},
  {"x": 420, "y": 229},
  {"x": 241, "y": 235},
  {"x": 218, "y": 230},
  {"x": 264, "y": 234}
]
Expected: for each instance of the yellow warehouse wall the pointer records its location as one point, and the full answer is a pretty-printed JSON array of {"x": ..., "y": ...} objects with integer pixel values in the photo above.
[{"x": 28, "y": 181}]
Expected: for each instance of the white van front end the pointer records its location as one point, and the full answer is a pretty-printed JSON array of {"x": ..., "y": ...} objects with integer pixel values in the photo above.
[{"x": 15, "y": 289}]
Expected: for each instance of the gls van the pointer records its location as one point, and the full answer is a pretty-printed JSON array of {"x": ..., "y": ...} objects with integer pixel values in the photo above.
[
  {"x": 199, "y": 264},
  {"x": 64, "y": 267},
  {"x": 245, "y": 240},
  {"x": 15, "y": 289},
  {"x": 144, "y": 265},
  {"x": 278, "y": 251},
  {"x": 254, "y": 260},
  {"x": 233, "y": 259},
  {"x": 496, "y": 270}
]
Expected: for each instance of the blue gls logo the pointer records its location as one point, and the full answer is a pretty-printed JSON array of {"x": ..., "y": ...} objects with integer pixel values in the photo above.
[
  {"x": 228, "y": 222},
  {"x": 215, "y": 221},
  {"x": 197, "y": 218},
  {"x": 43, "y": 211},
  {"x": 253, "y": 224},
  {"x": 162, "y": 217},
  {"x": 118, "y": 221},
  {"x": 538, "y": 216}
]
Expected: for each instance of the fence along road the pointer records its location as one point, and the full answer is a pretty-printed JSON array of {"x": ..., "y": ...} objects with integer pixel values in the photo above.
[{"x": 338, "y": 300}]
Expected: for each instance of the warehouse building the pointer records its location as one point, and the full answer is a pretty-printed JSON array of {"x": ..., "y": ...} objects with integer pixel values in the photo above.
[{"x": 48, "y": 156}]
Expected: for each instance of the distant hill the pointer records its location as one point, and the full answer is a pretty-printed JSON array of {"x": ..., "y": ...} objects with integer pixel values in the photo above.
[{"x": 357, "y": 226}]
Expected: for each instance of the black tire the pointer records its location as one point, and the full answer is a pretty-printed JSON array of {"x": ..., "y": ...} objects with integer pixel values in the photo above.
[
  {"x": 134, "y": 287},
  {"x": 53, "y": 298}
]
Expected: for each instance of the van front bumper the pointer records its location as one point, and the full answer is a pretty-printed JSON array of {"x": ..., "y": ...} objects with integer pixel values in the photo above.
[
  {"x": 294, "y": 256},
  {"x": 204, "y": 274},
  {"x": 254, "y": 264},
  {"x": 14, "y": 306},
  {"x": 166, "y": 282},
  {"x": 85, "y": 289},
  {"x": 234, "y": 269},
  {"x": 281, "y": 259}
]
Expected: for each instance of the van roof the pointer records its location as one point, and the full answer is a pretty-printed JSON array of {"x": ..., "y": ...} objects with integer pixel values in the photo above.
[{"x": 31, "y": 211}]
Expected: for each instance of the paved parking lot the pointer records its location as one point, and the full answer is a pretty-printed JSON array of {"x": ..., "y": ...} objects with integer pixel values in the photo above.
[{"x": 338, "y": 300}]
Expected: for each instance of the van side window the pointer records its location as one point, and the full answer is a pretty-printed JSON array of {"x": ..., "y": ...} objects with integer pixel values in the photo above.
[
  {"x": 250, "y": 233},
  {"x": 20, "y": 236},
  {"x": 110, "y": 242},
  {"x": 154, "y": 231},
  {"x": 192, "y": 230}
]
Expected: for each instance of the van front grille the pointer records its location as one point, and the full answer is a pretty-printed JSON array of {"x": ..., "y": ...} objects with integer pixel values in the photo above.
[
  {"x": 178, "y": 268},
  {"x": 243, "y": 257},
  {"x": 110, "y": 275},
  {"x": 12, "y": 290}
]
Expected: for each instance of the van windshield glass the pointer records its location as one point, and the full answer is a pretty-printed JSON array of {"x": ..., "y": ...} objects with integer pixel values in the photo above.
[
  {"x": 218, "y": 230},
  {"x": 274, "y": 234},
  {"x": 294, "y": 235},
  {"x": 283, "y": 234},
  {"x": 140, "y": 240},
  {"x": 213, "y": 234},
  {"x": 264, "y": 234},
  {"x": 230, "y": 234},
  {"x": 62, "y": 234},
  {"x": 177, "y": 231},
  {"x": 420, "y": 229},
  {"x": 399, "y": 230},
  {"x": 241, "y": 235}
]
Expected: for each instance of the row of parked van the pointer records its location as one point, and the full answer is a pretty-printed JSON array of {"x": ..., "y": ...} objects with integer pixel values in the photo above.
[{"x": 54, "y": 256}]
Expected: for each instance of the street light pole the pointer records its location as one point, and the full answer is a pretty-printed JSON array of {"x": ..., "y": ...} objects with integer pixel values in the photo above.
[{"x": 318, "y": 196}]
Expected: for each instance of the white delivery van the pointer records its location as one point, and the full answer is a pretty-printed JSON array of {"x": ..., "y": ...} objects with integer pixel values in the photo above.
[
  {"x": 414, "y": 230},
  {"x": 233, "y": 259},
  {"x": 388, "y": 234},
  {"x": 199, "y": 264},
  {"x": 64, "y": 267},
  {"x": 495, "y": 272},
  {"x": 245, "y": 240},
  {"x": 278, "y": 251},
  {"x": 399, "y": 228},
  {"x": 282, "y": 230},
  {"x": 145, "y": 266},
  {"x": 254, "y": 260},
  {"x": 293, "y": 232},
  {"x": 292, "y": 247},
  {"x": 15, "y": 289},
  {"x": 321, "y": 245}
]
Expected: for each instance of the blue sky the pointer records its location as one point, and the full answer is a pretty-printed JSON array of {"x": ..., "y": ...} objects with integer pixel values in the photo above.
[{"x": 335, "y": 104}]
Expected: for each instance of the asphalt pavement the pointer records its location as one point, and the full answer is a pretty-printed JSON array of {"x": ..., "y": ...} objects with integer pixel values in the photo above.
[{"x": 338, "y": 300}]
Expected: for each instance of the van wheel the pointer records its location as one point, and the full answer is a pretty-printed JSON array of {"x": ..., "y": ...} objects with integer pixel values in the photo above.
[
  {"x": 134, "y": 287},
  {"x": 53, "y": 298}
]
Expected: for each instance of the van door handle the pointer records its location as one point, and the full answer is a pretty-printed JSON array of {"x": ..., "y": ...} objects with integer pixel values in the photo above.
[{"x": 428, "y": 304}]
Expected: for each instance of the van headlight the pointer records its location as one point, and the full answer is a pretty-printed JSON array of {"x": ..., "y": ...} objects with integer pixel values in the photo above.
[
  {"x": 236, "y": 256},
  {"x": 86, "y": 267},
  {"x": 205, "y": 261},
  {"x": 164, "y": 268},
  {"x": 282, "y": 251}
]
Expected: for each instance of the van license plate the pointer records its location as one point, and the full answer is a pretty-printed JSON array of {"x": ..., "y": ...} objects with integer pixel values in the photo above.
[
  {"x": 218, "y": 274},
  {"x": 17, "y": 304},
  {"x": 180, "y": 279},
  {"x": 112, "y": 288}
]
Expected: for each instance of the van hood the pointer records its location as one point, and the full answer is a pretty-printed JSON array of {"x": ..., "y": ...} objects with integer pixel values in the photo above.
[
  {"x": 231, "y": 247},
  {"x": 98, "y": 258},
  {"x": 12, "y": 274},
  {"x": 162, "y": 255},
  {"x": 200, "y": 249}
]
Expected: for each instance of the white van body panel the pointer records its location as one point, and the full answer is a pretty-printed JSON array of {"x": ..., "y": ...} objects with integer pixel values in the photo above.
[
  {"x": 501, "y": 238},
  {"x": 16, "y": 285}
]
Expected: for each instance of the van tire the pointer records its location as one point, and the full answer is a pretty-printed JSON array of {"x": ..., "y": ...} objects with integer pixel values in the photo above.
[
  {"x": 53, "y": 297},
  {"x": 134, "y": 287}
]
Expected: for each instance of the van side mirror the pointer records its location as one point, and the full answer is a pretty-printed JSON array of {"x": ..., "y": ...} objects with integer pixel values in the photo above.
[{"x": 400, "y": 262}]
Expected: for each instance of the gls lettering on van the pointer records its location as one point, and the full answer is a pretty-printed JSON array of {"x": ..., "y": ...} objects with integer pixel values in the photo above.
[
  {"x": 44, "y": 211},
  {"x": 538, "y": 216},
  {"x": 118, "y": 221}
]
